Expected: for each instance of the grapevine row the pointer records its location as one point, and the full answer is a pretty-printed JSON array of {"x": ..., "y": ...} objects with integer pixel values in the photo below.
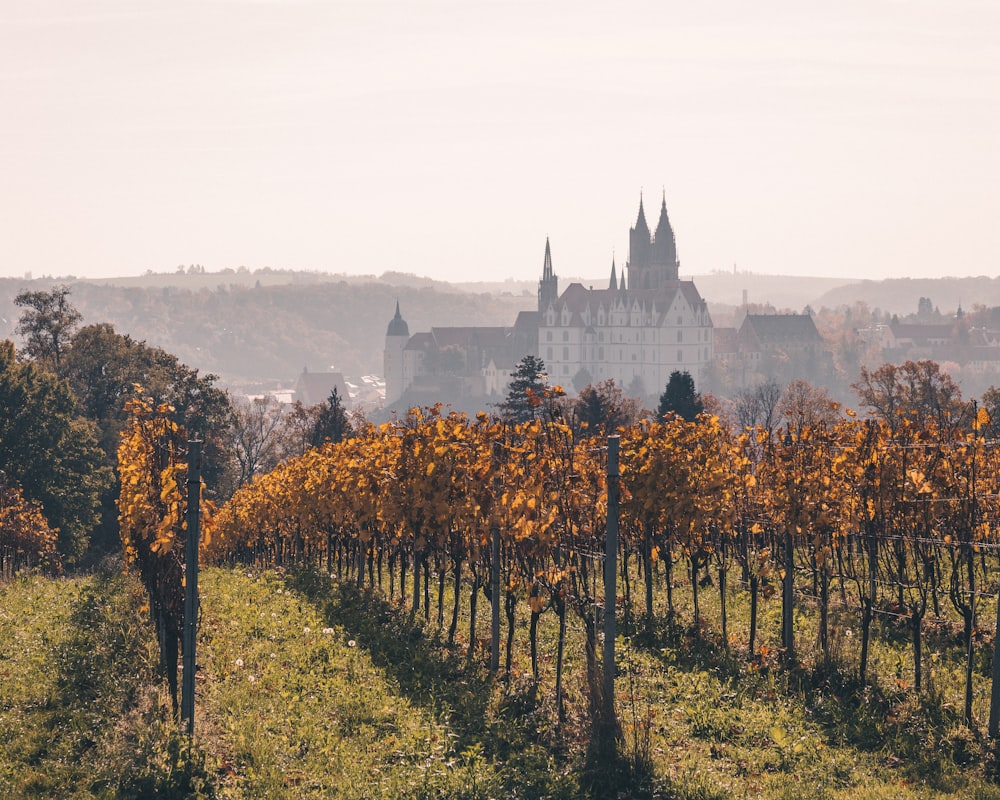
[{"x": 856, "y": 513}]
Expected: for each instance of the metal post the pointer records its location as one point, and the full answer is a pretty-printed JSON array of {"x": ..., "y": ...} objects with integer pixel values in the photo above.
[
  {"x": 191, "y": 583},
  {"x": 994, "y": 727},
  {"x": 495, "y": 564},
  {"x": 610, "y": 579}
]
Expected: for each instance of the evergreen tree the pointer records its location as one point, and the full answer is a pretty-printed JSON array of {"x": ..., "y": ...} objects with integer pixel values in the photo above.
[
  {"x": 600, "y": 410},
  {"x": 679, "y": 397},
  {"x": 332, "y": 424},
  {"x": 525, "y": 391}
]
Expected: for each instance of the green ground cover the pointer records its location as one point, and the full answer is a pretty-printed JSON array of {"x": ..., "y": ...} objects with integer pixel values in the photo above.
[{"x": 307, "y": 688}]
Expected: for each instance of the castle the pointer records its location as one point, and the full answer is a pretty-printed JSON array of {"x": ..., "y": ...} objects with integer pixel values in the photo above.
[{"x": 636, "y": 331}]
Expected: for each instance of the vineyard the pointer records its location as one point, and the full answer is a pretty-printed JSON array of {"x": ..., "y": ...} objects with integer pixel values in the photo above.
[
  {"x": 858, "y": 517},
  {"x": 815, "y": 551}
]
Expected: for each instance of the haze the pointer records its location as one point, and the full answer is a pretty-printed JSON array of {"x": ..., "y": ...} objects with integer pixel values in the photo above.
[{"x": 448, "y": 139}]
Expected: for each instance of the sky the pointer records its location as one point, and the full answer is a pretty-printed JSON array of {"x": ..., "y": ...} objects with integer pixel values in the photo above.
[{"x": 449, "y": 138}]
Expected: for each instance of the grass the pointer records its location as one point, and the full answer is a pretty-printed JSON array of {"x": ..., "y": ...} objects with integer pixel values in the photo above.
[
  {"x": 308, "y": 688},
  {"x": 81, "y": 712}
]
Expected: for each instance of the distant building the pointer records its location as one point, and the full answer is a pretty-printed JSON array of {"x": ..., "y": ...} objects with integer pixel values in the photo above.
[
  {"x": 782, "y": 347},
  {"x": 452, "y": 364},
  {"x": 636, "y": 331},
  {"x": 790, "y": 335},
  {"x": 315, "y": 387}
]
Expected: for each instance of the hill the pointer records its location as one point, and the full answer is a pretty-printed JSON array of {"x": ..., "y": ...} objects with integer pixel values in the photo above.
[
  {"x": 901, "y": 295},
  {"x": 264, "y": 327},
  {"x": 249, "y": 333}
]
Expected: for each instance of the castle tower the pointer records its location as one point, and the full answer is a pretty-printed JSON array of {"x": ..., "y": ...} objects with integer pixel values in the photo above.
[
  {"x": 613, "y": 283},
  {"x": 548, "y": 286},
  {"x": 396, "y": 337},
  {"x": 639, "y": 247},
  {"x": 664, "y": 256}
]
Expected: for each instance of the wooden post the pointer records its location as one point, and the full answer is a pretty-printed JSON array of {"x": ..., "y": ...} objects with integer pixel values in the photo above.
[
  {"x": 610, "y": 582},
  {"x": 495, "y": 565},
  {"x": 191, "y": 583}
]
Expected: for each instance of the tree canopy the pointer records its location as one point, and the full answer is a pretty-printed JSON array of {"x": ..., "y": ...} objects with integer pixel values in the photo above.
[
  {"x": 600, "y": 410},
  {"x": 679, "y": 397},
  {"x": 47, "y": 324},
  {"x": 49, "y": 451}
]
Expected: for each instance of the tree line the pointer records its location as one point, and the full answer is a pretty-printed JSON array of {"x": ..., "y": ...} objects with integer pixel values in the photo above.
[{"x": 64, "y": 406}]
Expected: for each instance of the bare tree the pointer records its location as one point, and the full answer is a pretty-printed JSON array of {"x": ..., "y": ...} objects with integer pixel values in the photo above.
[
  {"x": 916, "y": 390},
  {"x": 805, "y": 405},
  {"x": 759, "y": 405},
  {"x": 256, "y": 425}
]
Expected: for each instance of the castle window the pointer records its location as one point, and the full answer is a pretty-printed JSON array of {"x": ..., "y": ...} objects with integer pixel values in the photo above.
[
  {"x": 680, "y": 320},
  {"x": 565, "y": 336},
  {"x": 600, "y": 353},
  {"x": 565, "y": 354},
  {"x": 548, "y": 353},
  {"x": 548, "y": 336},
  {"x": 680, "y": 356},
  {"x": 680, "y": 336}
]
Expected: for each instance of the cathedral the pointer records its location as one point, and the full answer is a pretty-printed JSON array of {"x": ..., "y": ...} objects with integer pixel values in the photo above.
[{"x": 636, "y": 331}]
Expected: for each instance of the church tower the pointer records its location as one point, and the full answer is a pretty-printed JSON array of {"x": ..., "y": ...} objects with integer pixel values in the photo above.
[
  {"x": 548, "y": 286},
  {"x": 664, "y": 248},
  {"x": 396, "y": 337},
  {"x": 652, "y": 261},
  {"x": 639, "y": 245}
]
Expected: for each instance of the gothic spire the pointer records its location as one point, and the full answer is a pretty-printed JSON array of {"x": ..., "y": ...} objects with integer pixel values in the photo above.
[
  {"x": 548, "y": 286},
  {"x": 663, "y": 225},
  {"x": 613, "y": 284},
  {"x": 640, "y": 222}
]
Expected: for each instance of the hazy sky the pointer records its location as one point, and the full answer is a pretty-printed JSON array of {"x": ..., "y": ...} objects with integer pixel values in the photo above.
[{"x": 856, "y": 138}]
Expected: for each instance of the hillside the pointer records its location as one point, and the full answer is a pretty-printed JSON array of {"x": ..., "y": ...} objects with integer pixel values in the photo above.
[
  {"x": 249, "y": 333},
  {"x": 265, "y": 326},
  {"x": 901, "y": 295}
]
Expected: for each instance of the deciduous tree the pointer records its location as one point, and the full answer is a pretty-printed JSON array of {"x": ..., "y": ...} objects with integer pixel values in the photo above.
[{"x": 49, "y": 451}]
